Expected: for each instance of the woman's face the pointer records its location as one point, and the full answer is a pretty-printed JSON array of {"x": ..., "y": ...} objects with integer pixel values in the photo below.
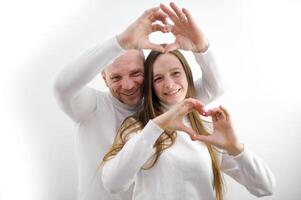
[{"x": 169, "y": 79}]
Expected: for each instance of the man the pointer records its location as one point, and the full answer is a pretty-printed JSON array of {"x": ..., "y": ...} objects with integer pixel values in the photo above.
[{"x": 99, "y": 114}]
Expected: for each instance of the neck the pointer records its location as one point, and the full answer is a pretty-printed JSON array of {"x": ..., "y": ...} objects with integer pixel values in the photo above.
[{"x": 165, "y": 106}]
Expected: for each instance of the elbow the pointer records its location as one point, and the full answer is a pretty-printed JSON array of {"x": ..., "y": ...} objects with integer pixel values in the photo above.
[
  {"x": 268, "y": 189},
  {"x": 60, "y": 88}
]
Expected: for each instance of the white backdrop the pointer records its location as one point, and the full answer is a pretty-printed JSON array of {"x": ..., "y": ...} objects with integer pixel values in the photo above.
[{"x": 256, "y": 42}]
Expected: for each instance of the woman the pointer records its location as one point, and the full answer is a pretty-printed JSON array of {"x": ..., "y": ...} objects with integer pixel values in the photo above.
[{"x": 170, "y": 152}]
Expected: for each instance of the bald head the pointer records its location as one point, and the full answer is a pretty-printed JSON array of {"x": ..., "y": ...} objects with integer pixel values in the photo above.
[{"x": 124, "y": 77}]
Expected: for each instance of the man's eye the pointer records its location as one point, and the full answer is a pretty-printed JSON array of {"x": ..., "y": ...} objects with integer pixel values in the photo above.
[
  {"x": 137, "y": 74},
  {"x": 115, "y": 78}
]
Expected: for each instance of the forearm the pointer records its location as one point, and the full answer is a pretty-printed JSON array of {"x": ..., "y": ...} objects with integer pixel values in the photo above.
[
  {"x": 210, "y": 85},
  {"x": 76, "y": 100},
  {"x": 119, "y": 172},
  {"x": 83, "y": 69},
  {"x": 251, "y": 172}
]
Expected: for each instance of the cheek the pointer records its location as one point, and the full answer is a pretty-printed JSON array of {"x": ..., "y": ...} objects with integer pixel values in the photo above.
[
  {"x": 185, "y": 86},
  {"x": 183, "y": 81},
  {"x": 115, "y": 86},
  {"x": 139, "y": 80},
  {"x": 157, "y": 89}
]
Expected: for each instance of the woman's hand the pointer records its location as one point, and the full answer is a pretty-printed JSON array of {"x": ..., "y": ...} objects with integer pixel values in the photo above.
[
  {"x": 188, "y": 35},
  {"x": 173, "y": 118},
  {"x": 223, "y": 135}
]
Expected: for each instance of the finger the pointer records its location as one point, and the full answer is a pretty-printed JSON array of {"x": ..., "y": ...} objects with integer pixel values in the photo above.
[
  {"x": 203, "y": 138},
  {"x": 170, "y": 14},
  {"x": 151, "y": 11},
  {"x": 158, "y": 27},
  {"x": 209, "y": 112},
  {"x": 225, "y": 111},
  {"x": 178, "y": 12},
  {"x": 212, "y": 113},
  {"x": 195, "y": 104},
  {"x": 187, "y": 14},
  {"x": 187, "y": 130},
  {"x": 220, "y": 114},
  {"x": 153, "y": 46},
  {"x": 159, "y": 16},
  {"x": 171, "y": 47},
  {"x": 169, "y": 27}
]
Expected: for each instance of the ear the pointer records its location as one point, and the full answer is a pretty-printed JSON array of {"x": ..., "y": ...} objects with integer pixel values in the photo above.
[{"x": 103, "y": 74}]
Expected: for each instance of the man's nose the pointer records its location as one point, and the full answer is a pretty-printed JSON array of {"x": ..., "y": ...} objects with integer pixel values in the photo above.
[{"x": 128, "y": 83}]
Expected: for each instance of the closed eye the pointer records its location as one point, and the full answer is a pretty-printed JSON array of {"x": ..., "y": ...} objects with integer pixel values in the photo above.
[
  {"x": 138, "y": 73},
  {"x": 157, "y": 79},
  {"x": 176, "y": 73},
  {"x": 115, "y": 78}
]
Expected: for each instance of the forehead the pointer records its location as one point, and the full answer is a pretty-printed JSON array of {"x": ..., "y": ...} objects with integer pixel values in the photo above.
[
  {"x": 166, "y": 62},
  {"x": 131, "y": 60}
]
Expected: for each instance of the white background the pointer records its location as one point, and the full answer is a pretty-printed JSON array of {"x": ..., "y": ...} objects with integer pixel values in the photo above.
[{"x": 256, "y": 42}]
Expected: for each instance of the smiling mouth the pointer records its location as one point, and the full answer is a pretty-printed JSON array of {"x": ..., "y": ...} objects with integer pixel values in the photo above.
[
  {"x": 171, "y": 93},
  {"x": 131, "y": 93}
]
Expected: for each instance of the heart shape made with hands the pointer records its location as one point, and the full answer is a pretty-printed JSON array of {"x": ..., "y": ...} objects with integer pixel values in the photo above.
[{"x": 188, "y": 36}]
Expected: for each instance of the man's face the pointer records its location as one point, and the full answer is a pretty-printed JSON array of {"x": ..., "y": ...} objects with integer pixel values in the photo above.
[{"x": 124, "y": 77}]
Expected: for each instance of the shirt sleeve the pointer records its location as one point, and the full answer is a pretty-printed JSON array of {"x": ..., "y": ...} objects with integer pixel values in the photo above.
[
  {"x": 210, "y": 85},
  {"x": 119, "y": 172},
  {"x": 250, "y": 171},
  {"x": 73, "y": 95}
]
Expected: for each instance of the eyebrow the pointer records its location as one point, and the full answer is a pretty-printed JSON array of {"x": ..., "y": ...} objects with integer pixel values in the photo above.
[
  {"x": 135, "y": 71},
  {"x": 172, "y": 69},
  {"x": 131, "y": 72},
  {"x": 114, "y": 75}
]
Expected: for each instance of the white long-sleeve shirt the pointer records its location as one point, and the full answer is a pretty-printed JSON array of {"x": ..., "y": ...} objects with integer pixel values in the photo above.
[
  {"x": 183, "y": 171},
  {"x": 98, "y": 114}
]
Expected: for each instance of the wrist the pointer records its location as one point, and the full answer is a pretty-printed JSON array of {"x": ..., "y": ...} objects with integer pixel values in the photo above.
[
  {"x": 235, "y": 149},
  {"x": 123, "y": 42},
  {"x": 203, "y": 48},
  {"x": 162, "y": 122}
]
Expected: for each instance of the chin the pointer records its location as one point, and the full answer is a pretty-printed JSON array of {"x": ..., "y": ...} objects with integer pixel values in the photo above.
[{"x": 133, "y": 102}]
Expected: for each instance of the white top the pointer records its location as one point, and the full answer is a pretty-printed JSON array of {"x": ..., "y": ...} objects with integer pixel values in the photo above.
[
  {"x": 183, "y": 171},
  {"x": 98, "y": 115}
]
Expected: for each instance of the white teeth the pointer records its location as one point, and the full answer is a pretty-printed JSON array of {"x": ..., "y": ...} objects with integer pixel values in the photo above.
[{"x": 172, "y": 92}]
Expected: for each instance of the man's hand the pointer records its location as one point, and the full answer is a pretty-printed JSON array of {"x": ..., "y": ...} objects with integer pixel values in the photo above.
[
  {"x": 188, "y": 35},
  {"x": 136, "y": 35}
]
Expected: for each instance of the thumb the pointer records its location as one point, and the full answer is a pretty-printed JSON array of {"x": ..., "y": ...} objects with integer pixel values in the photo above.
[
  {"x": 171, "y": 47},
  {"x": 152, "y": 46},
  {"x": 187, "y": 130},
  {"x": 203, "y": 138}
]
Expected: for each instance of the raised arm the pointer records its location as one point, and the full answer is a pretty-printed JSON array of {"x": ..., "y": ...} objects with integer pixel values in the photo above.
[
  {"x": 73, "y": 96},
  {"x": 189, "y": 37}
]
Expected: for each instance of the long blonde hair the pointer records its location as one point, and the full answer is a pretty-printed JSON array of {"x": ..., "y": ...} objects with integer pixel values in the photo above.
[{"x": 153, "y": 108}]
